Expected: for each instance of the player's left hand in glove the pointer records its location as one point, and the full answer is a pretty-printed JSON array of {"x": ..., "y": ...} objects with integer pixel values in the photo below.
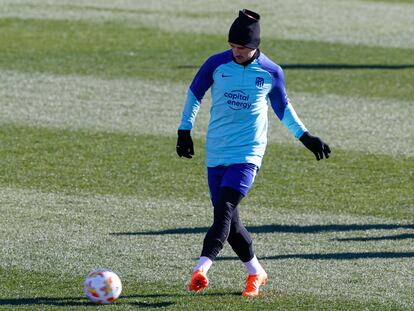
[
  {"x": 316, "y": 145},
  {"x": 185, "y": 147}
]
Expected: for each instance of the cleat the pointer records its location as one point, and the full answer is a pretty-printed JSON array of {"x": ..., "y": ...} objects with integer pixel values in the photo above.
[
  {"x": 253, "y": 283},
  {"x": 199, "y": 281}
]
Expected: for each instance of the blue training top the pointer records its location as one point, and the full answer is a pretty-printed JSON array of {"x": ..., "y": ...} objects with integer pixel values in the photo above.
[{"x": 237, "y": 131}]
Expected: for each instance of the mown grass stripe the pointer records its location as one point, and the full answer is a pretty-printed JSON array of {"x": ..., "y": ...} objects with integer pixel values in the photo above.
[
  {"x": 137, "y": 294},
  {"x": 145, "y": 165},
  {"x": 85, "y": 48},
  {"x": 154, "y": 107},
  {"x": 351, "y": 22}
]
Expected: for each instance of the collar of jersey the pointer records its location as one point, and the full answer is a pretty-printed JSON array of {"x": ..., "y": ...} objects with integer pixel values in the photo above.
[{"x": 248, "y": 62}]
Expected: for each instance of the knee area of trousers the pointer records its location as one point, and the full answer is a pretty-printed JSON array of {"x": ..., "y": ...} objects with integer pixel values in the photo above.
[
  {"x": 230, "y": 197},
  {"x": 241, "y": 239}
]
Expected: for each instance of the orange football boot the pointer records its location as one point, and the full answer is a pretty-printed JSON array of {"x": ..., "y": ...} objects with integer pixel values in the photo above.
[
  {"x": 199, "y": 281},
  {"x": 253, "y": 283}
]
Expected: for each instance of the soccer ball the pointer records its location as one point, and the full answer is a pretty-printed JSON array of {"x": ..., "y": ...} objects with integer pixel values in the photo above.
[{"x": 102, "y": 286}]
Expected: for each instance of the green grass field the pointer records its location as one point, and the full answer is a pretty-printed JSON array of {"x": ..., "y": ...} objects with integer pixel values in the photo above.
[{"x": 90, "y": 99}]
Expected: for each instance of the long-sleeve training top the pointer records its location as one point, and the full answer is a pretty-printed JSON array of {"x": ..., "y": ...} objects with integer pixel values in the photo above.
[{"x": 237, "y": 130}]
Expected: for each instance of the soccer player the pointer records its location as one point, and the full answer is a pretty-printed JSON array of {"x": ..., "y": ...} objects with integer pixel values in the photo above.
[{"x": 242, "y": 81}]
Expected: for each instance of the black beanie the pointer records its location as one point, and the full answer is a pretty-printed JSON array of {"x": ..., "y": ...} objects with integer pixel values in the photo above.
[{"x": 245, "y": 29}]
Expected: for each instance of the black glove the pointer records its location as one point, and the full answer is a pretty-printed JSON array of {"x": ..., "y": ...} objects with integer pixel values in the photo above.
[
  {"x": 185, "y": 146},
  {"x": 316, "y": 145}
]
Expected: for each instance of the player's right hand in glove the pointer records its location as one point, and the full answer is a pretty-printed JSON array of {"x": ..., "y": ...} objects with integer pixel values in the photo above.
[
  {"x": 185, "y": 147},
  {"x": 316, "y": 145}
]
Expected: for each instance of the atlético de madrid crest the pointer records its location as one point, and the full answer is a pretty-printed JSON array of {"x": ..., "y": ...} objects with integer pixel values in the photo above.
[{"x": 259, "y": 82}]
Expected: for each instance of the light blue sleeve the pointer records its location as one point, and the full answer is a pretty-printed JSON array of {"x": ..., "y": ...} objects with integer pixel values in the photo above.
[
  {"x": 190, "y": 110},
  {"x": 292, "y": 122}
]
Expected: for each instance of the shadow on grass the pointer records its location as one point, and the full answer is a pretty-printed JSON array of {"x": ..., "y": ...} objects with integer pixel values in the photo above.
[
  {"x": 377, "y": 238},
  {"x": 329, "y": 66},
  {"x": 345, "y": 66},
  {"x": 81, "y": 301},
  {"x": 63, "y": 301},
  {"x": 335, "y": 256},
  {"x": 151, "y": 305},
  {"x": 280, "y": 229},
  {"x": 123, "y": 300}
]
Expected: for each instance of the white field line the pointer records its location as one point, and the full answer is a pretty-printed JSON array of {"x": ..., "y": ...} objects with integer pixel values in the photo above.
[
  {"x": 350, "y": 22},
  {"x": 59, "y": 233},
  {"x": 381, "y": 126}
]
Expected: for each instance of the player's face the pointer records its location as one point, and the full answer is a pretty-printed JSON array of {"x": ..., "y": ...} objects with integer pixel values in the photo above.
[{"x": 241, "y": 53}]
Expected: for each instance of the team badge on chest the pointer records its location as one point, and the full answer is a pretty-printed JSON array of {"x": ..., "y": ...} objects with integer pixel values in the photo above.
[{"x": 259, "y": 82}]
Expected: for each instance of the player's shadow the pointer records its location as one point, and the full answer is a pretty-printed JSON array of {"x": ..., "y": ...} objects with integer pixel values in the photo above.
[
  {"x": 81, "y": 301},
  {"x": 276, "y": 228},
  {"x": 309, "y": 229},
  {"x": 61, "y": 301},
  {"x": 404, "y": 236},
  {"x": 334, "y": 256},
  {"x": 151, "y": 305},
  {"x": 345, "y": 66},
  {"x": 330, "y": 66},
  {"x": 123, "y": 300}
]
